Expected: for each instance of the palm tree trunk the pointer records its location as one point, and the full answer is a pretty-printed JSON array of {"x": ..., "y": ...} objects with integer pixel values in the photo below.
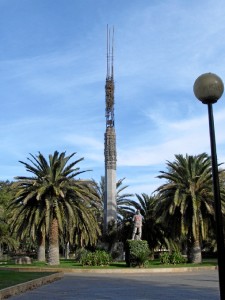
[
  {"x": 67, "y": 250},
  {"x": 196, "y": 253},
  {"x": 53, "y": 258},
  {"x": 152, "y": 255},
  {"x": 41, "y": 246}
]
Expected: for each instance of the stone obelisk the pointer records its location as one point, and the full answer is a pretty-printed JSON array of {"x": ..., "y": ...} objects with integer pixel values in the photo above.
[{"x": 110, "y": 206}]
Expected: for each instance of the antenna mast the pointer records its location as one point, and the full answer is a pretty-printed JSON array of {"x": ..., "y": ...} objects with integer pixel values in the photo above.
[{"x": 109, "y": 86}]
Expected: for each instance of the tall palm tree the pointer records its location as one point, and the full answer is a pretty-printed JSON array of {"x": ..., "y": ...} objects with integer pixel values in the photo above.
[
  {"x": 186, "y": 200},
  {"x": 51, "y": 197},
  {"x": 153, "y": 230}
]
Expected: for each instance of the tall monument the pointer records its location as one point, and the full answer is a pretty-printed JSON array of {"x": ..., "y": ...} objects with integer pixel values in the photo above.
[{"x": 110, "y": 206}]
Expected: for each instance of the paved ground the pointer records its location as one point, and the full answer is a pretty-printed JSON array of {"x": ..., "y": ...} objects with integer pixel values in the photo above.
[{"x": 195, "y": 285}]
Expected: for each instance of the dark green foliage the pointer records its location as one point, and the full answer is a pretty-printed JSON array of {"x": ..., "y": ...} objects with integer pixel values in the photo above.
[
  {"x": 185, "y": 202},
  {"x": 172, "y": 258},
  {"x": 111, "y": 236},
  {"x": 55, "y": 204},
  {"x": 7, "y": 241},
  {"x": 152, "y": 230},
  {"x": 125, "y": 210},
  {"x": 79, "y": 253},
  {"x": 137, "y": 253},
  {"x": 165, "y": 258},
  {"x": 97, "y": 258}
]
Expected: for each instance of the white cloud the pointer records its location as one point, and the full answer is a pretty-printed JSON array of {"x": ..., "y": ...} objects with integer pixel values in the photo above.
[
  {"x": 181, "y": 137},
  {"x": 84, "y": 141}
]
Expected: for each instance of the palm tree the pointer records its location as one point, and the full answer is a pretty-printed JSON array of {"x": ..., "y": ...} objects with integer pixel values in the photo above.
[
  {"x": 52, "y": 197},
  {"x": 124, "y": 208},
  {"x": 124, "y": 212},
  {"x": 6, "y": 239},
  {"x": 186, "y": 200},
  {"x": 152, "y": 231},
  {"x": 122, "y": 200},
  {"x": 28, "y": 222}
]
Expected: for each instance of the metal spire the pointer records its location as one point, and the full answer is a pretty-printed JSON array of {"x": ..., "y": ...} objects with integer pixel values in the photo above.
[{"x": 109, "y": 86}]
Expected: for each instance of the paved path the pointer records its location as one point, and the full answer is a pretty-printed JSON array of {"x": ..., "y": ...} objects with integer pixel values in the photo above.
[{"x": 195, "y": 285}]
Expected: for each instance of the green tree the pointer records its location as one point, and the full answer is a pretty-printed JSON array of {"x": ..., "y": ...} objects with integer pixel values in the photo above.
[
  {"x": 6, "y": 194},
  {"x": 123, "y": 200},
  {"x": 53, "y": 198},
  {"x": 6, "y": 239},
  {"x": 28, "y": 224},
  {"x": 186, "y": 201},
  {"x": 152, "y": 231}
]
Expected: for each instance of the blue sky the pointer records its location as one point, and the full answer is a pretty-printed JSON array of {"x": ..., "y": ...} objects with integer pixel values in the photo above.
[{"x": 52, "y": 77}]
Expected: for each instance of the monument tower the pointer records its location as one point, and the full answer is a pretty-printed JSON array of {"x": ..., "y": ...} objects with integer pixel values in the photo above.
[{"x": 110, "y": 206}]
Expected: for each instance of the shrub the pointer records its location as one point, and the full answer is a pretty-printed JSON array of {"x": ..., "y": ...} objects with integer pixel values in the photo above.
[
  {"x": 97, "y": 258},
  {"x": 137, "y": 253},
  {"x": 79, "y": 253},
  {"x": 165, "y": 258},
  {"x": 172, "y": 258}
]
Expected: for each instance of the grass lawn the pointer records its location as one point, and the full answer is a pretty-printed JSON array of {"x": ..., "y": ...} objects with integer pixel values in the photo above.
[
  {"x": 71, "y": 263},
  {"x": 10, "y": 278},
  {"x": 64, "y": 263}
]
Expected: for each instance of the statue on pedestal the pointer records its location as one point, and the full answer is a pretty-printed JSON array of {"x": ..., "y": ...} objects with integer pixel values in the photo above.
[{"x": 137, "y": 229}]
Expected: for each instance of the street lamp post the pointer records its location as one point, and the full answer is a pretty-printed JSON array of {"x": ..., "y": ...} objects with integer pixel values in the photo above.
[{"x": 208, "y": 88}]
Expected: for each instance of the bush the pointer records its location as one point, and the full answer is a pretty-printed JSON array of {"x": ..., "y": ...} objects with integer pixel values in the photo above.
[
  {"x": 165, "y": 258},
  {"x": 172, "y": 258},
  {"x": 97, "y": 258},
  {"x": 137, "y": 253},
  {"x": 79, "y": 253}
]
